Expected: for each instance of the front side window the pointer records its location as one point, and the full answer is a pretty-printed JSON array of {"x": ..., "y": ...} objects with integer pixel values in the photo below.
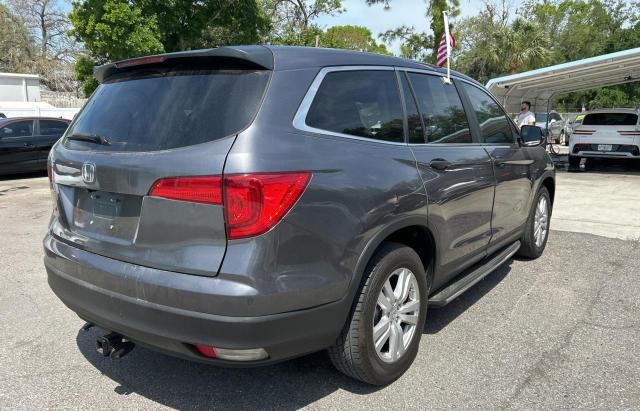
[
  {"x": 17, "y": 129},
  {"x": 494, "y": 124},
  {"x": 441, "y": 108},
  {"x": 362, "y": 103}
]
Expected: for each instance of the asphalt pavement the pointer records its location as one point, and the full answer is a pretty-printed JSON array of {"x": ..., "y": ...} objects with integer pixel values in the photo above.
[{"x": 559, "y": 332}]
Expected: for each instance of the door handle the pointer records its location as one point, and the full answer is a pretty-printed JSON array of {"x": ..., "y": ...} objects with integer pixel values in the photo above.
[
  {"x": 499, "y": 163},
  {"x": 439, "y": 164},
  {"x": 28, "y": 144}
]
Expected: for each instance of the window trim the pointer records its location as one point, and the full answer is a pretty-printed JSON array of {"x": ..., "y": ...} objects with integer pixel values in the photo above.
[{"x": 300, "y": 118}]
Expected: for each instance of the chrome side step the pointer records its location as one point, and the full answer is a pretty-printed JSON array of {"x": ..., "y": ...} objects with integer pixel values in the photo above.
[{"x": 450, "y": 292}]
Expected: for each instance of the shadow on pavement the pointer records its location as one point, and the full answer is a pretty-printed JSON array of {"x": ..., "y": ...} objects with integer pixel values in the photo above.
[
  {"x": 439, "y": 318},
  {"x": 292, "y": 384},
  {"x": 24, "y": 176},
  {"x": 188, "y": 385}
]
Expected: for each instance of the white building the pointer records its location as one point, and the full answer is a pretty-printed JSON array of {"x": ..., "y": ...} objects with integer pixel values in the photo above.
[
  {"x": 19, "y": 87},
  {"x": 20, "y": 97}
]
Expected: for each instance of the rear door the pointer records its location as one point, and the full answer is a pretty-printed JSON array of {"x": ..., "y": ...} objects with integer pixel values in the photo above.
[
  {"x": 514, "y": 166},
  {"x": 17, "y": 148},
  {"x": 456, "y": 171},
  {"x": 169, "y": 123}
]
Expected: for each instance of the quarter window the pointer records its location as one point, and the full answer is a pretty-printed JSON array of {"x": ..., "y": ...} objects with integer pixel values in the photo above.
[
  {"x": 494, "y": 124},
  {"x": 441, "y": 108},
  {"x": 359, "y": 103}
]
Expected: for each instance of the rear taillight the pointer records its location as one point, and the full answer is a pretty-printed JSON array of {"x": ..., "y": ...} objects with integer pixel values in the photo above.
[
  {"x": 253, "y": 203},
  {"x": 256, "y": 202},
  {"x": 195, "y": 189}
]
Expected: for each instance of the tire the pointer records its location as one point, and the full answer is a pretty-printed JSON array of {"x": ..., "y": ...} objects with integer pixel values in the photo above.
[
  {"x": 354, "y": 352},
  {"x": 574, "y": 163},
  {"x": 563, "y": 138},
  {"x": 533, "y": 245}
]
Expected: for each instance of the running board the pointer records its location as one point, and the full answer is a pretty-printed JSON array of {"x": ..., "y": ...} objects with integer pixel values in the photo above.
[{"x": 449, "y": 293}]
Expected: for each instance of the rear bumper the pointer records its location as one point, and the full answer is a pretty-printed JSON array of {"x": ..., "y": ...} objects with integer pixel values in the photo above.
[
  {"x": 606, "y": 154},
  {"x": 172, "y": 329}
]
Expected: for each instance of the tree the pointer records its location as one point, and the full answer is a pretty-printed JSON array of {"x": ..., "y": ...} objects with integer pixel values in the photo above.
[
  {"x": 17, "y": 50},
  {"x": 54, "y": 50},
  {"x": 351, "y": 38},
  {"x": 492, "y": 45},
  {"x": 119, "y": 29},
  {"x": 421, "y": 45},
  {"x": 587, "y": 28},
  {"x": 294, "y": 20}
]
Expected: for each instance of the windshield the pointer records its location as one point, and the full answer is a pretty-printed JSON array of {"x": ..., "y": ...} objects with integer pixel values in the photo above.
[
  {"x": 163, "y": 110},
  {"x": 610, "y": 119}
]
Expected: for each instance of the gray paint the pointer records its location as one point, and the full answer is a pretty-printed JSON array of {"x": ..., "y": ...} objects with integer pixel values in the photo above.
[{"x": 360, "y": 193}]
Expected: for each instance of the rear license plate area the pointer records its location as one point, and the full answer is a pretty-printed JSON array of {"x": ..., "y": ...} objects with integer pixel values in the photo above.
[
  {"x": 105, "y": 213},
  {"x": 605, "y": 147}
]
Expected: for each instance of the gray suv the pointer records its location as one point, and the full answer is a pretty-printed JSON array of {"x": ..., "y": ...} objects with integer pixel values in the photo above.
[{"x": 246, "y": 205}]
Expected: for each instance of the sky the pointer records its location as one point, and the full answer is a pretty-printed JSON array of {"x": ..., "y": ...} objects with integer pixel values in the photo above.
[{"x": 378, "y": 20}]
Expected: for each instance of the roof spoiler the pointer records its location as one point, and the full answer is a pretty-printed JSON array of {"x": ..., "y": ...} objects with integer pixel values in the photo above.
[{"x": 259, "y": 56}]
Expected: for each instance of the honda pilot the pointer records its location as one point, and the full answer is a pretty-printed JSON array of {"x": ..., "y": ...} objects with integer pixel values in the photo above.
[{"x": 241, "y": 206}]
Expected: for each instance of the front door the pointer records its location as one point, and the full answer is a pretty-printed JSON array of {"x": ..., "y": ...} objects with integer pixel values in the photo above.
[
  {"x": 17, "y": 149},
  {"x": 513, "y": 166},
  {"x": 456, "y": 171}
]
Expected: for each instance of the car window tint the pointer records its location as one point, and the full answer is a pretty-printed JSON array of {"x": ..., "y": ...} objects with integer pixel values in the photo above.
[
  {"x": 494, "y": 124},
  {"x": 52, "y": 127},
  {"x": 359, "y": 103},
  {"x": 18, "y": 129},
  {"x": 610, "y": 119},
  {"x": 415, "y": 128},
  {"x": 441, "y": 108},
  {"x": 150, "y": 110}
]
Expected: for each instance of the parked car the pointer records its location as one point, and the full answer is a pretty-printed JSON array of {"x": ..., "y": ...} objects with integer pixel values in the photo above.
[
  {"x": 556, "y": 125},
  {"x": 606, "y": 133},
  {"x": 25, "y": 142},
  {"x": 572, "y": 122},
  {"x": 247, "y": 205}
]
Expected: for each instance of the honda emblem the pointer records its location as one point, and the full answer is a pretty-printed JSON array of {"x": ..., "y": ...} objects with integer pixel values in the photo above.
[{"x": 89, "y": 173}]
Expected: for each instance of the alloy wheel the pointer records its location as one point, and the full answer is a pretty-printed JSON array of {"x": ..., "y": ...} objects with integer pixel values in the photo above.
[
  {"x": 541, "y": 221},
  {"x": 396, "y": 315}
]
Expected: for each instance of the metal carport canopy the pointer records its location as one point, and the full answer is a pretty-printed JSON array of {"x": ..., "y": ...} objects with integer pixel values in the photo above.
[{"x": 541, "y": 85}]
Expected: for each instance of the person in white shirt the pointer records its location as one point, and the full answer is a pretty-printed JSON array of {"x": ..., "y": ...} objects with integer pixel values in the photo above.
[{"x": 526, "y": 117}]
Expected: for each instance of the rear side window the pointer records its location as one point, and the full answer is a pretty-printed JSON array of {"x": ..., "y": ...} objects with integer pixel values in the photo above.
[
  {"x": 52, "y": 127},
  {"x": 158, "y": 110},
  {"x": 17, "y": 129},
  {"x": 493, "y": 121},
  {"x": 359, "y": 103},
  {"x": 610, "y": 119},
  {"x": 441, "y": 108}
]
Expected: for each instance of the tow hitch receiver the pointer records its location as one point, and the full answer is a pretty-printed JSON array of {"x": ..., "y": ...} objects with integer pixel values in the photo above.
[{"x": 114, "y": 345}]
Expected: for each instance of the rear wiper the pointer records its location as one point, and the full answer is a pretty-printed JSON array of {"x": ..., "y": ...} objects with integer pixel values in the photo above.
[{"x": 92, "y": 138}]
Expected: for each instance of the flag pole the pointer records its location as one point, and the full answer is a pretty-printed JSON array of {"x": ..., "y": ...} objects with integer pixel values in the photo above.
[{"x": 447, "y": 37}]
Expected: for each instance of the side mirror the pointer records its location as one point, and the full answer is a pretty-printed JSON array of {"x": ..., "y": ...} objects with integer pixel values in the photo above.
[{"x": 531, "y": 136}]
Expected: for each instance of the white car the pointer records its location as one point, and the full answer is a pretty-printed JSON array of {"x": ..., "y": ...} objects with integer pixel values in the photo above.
[{"x": 606, "y": 133}]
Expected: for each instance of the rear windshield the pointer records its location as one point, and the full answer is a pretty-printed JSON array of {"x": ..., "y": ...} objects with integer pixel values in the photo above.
[
  {"x": 162, "y": 110},
  {"x": 610, "y": 119}
]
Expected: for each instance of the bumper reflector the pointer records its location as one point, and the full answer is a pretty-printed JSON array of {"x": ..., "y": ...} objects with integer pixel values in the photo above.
[{"x": 253, "y": 354}]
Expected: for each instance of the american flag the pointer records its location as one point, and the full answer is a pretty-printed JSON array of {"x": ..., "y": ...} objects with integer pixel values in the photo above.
[{"x": 442, "y": 49}]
